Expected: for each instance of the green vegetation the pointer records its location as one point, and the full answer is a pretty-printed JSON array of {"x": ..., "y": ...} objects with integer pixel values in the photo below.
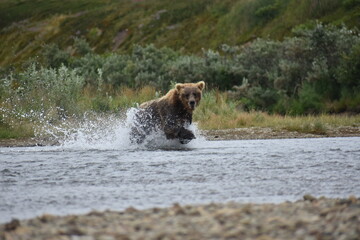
[
  {"x": 187, "y": 25},
  {"x": 210, "y": 118},
  {"x": 216, "y": 111},
  {"x": 105, "y": 56},
  {"x": 316, "y": 71}
]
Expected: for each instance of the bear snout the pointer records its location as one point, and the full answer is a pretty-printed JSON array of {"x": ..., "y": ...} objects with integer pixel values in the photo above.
[{"x": 192, "y": 104}]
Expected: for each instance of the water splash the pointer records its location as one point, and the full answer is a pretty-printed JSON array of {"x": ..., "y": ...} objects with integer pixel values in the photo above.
[
  {"x": 156, "y": 139},
  {"x": 112, "y": 132},
  {"x": 95, "y": 131}
]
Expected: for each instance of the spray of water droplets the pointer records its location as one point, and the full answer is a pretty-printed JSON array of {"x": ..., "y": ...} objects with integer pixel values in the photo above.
[{"x": 96, "y": 131}]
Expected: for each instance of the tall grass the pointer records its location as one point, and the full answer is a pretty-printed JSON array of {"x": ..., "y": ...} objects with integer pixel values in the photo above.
[
  {"x": 216, "y": 111},
  {"x": 116, "y": 101}
]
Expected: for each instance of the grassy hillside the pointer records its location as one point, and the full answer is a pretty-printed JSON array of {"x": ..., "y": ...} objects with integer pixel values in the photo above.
[{"x": 187, "y": 25}]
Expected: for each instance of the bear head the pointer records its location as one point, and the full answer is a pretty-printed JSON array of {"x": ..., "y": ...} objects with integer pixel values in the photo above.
[{"x": 190, "y": 94}]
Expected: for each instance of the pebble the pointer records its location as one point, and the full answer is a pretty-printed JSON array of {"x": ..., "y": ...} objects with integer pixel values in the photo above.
[{"x": 310, "y": 218}]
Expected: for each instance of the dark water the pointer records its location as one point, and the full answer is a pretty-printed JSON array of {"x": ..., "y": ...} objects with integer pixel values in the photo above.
[{"x": 80, "y": 177}]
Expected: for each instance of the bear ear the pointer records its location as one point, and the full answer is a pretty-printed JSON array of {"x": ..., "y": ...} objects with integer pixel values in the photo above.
[
  {"x": 178, "y": 87},
  {"x": 201, "y": 85}
]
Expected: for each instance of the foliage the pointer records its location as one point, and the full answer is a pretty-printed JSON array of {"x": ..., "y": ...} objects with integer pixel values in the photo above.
[
  {"x": 269, "y": 11},
  {"x": 40, "y": 90},
  {"x": 351, "y": 3},
  {"x": 316, "y": 71},
  {"x": 54, "y": 57},
  {"x": 188, "y": 25},
  {"x": 118, "y": 56},
  {"x": 308, "y": 68},
  {"x": 82, "y": 47}
]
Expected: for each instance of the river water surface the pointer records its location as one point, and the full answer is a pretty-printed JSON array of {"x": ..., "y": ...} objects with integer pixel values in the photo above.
[{"x": 78, "y": 178}]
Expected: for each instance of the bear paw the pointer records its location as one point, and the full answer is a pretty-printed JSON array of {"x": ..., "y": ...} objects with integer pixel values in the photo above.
[{"x": 185, "y": 136}]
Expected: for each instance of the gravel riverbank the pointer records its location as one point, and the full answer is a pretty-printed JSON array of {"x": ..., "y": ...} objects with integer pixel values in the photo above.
[
  {"x": 310, "y": 218},
  {"x": 271, "y": 133}
]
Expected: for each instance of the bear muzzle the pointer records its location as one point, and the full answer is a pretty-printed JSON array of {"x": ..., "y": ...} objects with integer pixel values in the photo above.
[{"x": 192, "y": 105}]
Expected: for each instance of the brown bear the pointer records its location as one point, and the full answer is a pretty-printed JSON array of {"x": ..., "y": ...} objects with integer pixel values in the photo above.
[{"x": 171, "y": 114}]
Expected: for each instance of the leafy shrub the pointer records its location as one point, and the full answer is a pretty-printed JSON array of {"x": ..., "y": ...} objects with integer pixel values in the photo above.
[
  {"x": 150, "y": 66},
  {"x": 54, "y": 57},
  {"x": 348, "y": 72},
  {"x": 186, "y": 69},
  {"x": 220, "y": 71},
  {"x": 315, "y": 64},
  {"x": 308, "y": 102},
  {"x": 216, "y": 70},
  {"x": 351, "y": 3},
  {"x": 88, "y": 67},
  {"x": 82, "y": 47},
  {"x": 348, "y": 76},
  {"x": 269, "y": 11},
  {"x": 298, "y": 75},
  {"x": 256, "y": 61},
  {"x": 43, "y": 90},
  {"x": 117, "y": 69}
]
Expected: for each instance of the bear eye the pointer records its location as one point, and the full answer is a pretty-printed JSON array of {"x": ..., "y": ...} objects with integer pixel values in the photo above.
[{"x": 187, "y": 95}]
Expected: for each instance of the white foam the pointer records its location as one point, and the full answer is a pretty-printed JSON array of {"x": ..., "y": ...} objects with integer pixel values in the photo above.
[
  {"x": 101, "y": 133},
  {"x": 112, "y": 132},
  {"x": 97, "y": 131}
]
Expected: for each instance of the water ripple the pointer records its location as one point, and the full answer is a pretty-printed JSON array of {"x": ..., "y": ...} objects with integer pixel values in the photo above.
[{"x": 63, "y": 179}]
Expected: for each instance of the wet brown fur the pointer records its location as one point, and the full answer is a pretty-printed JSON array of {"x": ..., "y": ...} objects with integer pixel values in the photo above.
[
  {"x": 173, "y": 112},
  {"x": 176, "y": 98}
]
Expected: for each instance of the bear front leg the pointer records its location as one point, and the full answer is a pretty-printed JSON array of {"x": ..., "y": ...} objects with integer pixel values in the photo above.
[
  {"x": 174, "y": 128},
  {"x": 185, "y": 135}
]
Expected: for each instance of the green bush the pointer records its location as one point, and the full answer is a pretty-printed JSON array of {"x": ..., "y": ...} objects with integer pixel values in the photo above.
[
  {"x": 348, "y": 72},
  {"x": 186, "y": 69},
  {"x": 316, "y": 70},
  {"x": 308, "y": 102},
  {"x": 322, "y": 57},
  {"x": 116, "y": 70},
  {"x": 351, "y": 3},
  {"x": 82, "y": 47},
  {"x": 88, "y": 67},
  {"x": 54, "y": 57},
  {"x": 150, "y": 66},
  {"x": 269, "y": 11},
  {"x": 39, "y": 90}
]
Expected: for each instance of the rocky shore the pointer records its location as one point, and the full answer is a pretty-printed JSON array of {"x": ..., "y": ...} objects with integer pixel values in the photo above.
[
  {"x": 271, "y": 133},
  {"x": 310, "y": 218}
]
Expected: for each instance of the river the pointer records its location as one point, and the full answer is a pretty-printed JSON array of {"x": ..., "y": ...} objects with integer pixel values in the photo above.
[{"x": 79, "y": 177}]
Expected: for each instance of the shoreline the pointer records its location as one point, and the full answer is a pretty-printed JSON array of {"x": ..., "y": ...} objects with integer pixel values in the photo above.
[
  {"x": 273, "y": 133},
  {"x": 218, "y": 135},
  {"x": 309, "y": 218}
]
